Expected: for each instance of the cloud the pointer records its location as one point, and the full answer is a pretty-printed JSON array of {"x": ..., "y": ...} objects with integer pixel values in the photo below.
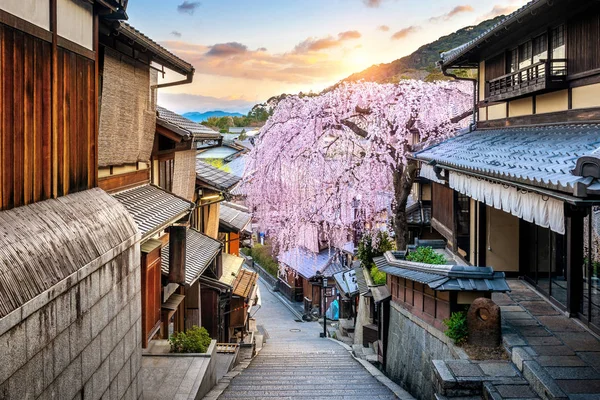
[
  {"x": 226, "y": 49},
  {"x": 176, "y": 33},
  {"x": 349, "y": 35},
  {"x": 383, "y": 28},
  {"x": 403, "y": 33},
  {"x": 314, "y": 44},
  {"x": 236, "y": 60},
  {"x": 452, "y": 13},
  {"x": 502, "y": 9},
  {"x": 183, "y": 102},
  {"x": 372, "y": 3},
  {"x": 188, "y": 7}
]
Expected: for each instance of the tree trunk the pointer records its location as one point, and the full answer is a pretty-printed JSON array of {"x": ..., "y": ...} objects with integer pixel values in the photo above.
[{"x": 403, "y": 181}]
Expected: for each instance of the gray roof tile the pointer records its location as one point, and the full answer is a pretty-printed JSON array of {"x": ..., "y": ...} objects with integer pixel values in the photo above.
[
  {"x": 215, "y": 177},
  {"x": 538, "y": 156},
  {"x": 360, "y": 278},
  {"x": 200, "y": 250},
  {"x": 307, "y": 263},
  {"x": 152, "y": 208},
  {"x": 443, "y": 277},
  {"x": 234, "y": 216},
  {"x": 192, "y": 128}
]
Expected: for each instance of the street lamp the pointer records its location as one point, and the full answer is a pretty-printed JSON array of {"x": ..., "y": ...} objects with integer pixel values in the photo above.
[{"x": 324, "y": 335}]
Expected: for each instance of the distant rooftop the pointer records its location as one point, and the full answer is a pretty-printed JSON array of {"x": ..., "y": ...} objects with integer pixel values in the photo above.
[
  {"x": 215, "y": 177},
  {"x": 183, "y": 126}
]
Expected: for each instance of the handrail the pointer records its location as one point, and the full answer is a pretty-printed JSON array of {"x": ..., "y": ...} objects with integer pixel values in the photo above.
[{"x": 541, "y": 62}]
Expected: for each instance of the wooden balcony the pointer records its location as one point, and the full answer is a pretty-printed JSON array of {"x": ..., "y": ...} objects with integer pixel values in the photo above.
[{"x": 542, "y": 76}]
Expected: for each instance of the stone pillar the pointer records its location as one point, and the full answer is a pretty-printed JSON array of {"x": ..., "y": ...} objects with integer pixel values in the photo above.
[{"x": 484, "y": 323}]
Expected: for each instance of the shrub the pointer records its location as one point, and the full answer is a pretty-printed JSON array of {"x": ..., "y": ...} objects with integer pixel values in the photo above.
[
  {"x": 370, "y": 247},
  {"x": 262, "y": 255},
  {"x": 378, "y": 276},
  {"x": 457, "y": 327},
  {"x": 426, "y": 255},
  {"x": 195, "y": 340}
]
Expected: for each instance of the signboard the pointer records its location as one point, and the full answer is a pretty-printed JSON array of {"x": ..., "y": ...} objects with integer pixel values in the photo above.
[
  {"x": 350, "y": 279},
  {"x": 328, "y": 291}
]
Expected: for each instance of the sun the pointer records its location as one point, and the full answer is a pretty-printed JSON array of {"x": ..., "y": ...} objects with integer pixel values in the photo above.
[{"x": 357, "y": 60}]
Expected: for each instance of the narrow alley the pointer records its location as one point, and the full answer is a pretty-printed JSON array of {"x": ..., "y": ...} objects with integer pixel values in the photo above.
[{"x": 297, "y": 363}]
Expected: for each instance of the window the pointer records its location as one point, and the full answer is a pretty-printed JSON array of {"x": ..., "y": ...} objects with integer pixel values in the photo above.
[
  {"x": 557, "y": 36},
  {"x": 540, "y": 48},
  {"x": 525, "y": 52},
  {"x": 512, "y": 61},
  {"x": 165, "y": 174}
]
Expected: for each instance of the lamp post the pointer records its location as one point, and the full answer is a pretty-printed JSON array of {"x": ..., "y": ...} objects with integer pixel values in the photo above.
[{"x": 324, "y": 307}]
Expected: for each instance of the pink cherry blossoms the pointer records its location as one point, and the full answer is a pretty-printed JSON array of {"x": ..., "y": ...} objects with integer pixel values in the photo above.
[{"x": 324, "y": 165}]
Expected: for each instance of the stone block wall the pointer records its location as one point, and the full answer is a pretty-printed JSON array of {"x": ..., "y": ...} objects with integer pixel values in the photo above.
[
  {"x": 412, "y": 345},
  {"x": 82, "y": 338}
]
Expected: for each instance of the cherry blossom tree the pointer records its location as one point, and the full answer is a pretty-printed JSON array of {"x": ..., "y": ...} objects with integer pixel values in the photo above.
[{"x": 323, "y": 166}]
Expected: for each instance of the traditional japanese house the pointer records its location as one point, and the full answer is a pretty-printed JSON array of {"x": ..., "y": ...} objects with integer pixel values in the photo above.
[
  {"x": 213, "y": 185},
  {"x": 516, "y": 192},
  {"x": 301, "y": 273},
  {"x": 243, "y": 297},
  {"x": 70, "y": 256},
  {"x": 234, "y": 226}
]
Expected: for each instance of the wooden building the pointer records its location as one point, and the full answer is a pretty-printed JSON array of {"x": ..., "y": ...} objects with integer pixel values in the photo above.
[
  {"x": 301, "y": 272},
  {"x": 234, "y": 226},
  {"x": 516, "y": 191}
]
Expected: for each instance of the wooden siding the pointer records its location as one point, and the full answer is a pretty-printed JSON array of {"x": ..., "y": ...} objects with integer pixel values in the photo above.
[
  {"x": 151, "y": 294},
  {"x": 47, "y": 126},
  {"x": 494, "y": 68},
  {"x": 430, "y": 305},
  {"x": 442, "y": 206},
  {"x": 583, "y": 36}
]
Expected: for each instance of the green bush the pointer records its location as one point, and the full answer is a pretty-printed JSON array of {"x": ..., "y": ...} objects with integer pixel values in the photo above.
[
  {"x": 370, "y": 247},
  {"x": 426, "y": 255},
  {"x": 457, "y": 327},
  {"x": 262, "y": 255},
  {"x": 195, "y": 340},
  {"x": 378, "y": 276}
]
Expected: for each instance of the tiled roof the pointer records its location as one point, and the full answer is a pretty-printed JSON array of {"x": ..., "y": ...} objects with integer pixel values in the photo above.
[
  {"x": 231, "y": 268},
  {"x": 133, "y": 34},
  {"x": 234, "y": 216},
  {"x": 244, "y": 283},
  {"x": 152, "y": 208},
  {"x": 200, "y": 250},
  {"x": 307, "y": 263},
  {"x": 443, "y": 277},
  {"x": 449, "y": 56},
  {"x": 215, "y": 177},
  {"x": 169, "y": 119},
  {"x": 418, "y": 214},
  {"x": 237, "y": 166},
  {"x": 538, "y": 156}
]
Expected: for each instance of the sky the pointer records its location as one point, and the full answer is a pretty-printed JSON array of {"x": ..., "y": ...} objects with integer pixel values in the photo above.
[{"x": 246, "y": 51}]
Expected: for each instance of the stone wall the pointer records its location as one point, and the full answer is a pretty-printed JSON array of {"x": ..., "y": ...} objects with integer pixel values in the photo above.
[
  {"x": 81, "y": 338},
  {"x": 412, "y": 345},
  {"x": 362, "y": 319}
]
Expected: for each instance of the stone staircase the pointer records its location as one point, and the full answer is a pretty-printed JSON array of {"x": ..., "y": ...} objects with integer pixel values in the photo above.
[{"x": 489, "y": 380}]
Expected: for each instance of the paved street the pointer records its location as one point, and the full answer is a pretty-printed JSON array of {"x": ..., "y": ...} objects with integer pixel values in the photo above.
[{"x": 296, "y": 363}]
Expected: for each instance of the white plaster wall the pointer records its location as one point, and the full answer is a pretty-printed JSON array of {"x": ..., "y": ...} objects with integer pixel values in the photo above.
[
  {"x": 35, "y": 11},
  {"x": 75, "y": 22}
]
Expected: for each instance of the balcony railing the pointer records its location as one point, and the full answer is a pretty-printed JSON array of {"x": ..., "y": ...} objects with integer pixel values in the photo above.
[{"x": 543, "y": 75}]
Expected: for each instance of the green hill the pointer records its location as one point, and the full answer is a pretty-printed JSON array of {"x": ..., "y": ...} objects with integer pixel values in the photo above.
[{"x": 421, "y": 63}]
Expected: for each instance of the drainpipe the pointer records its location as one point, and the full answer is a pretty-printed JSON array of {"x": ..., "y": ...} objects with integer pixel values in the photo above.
[{"x": 474, "y": 80}]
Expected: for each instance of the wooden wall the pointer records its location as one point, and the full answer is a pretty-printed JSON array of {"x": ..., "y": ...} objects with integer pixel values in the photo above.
[
  {"x": 151, "y": 294},
  {"x": 443, "y": 206},
  {"x": 583, "y": 36},
  {"x": 47, "y": 120},
  {"x": 494, "y": 68}
]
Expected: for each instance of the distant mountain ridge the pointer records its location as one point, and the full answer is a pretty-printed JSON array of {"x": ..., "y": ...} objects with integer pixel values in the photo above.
[
  {"x": 422, "y": 63},
  {"x": 201, "y": 117}
]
